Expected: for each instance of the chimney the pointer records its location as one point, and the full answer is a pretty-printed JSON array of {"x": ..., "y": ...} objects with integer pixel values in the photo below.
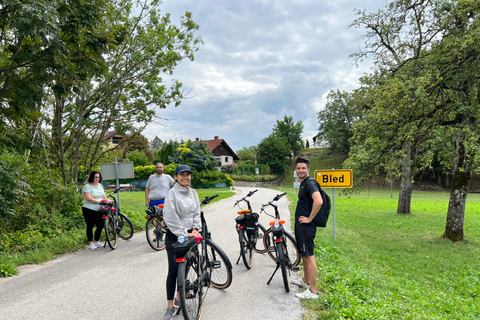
[
  {"x": 197, "y": 139},
  {"x": 216, "y": 137}
]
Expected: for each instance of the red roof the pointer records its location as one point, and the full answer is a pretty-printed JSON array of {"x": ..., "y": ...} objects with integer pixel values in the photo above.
[{"x": 213, "y": 144}]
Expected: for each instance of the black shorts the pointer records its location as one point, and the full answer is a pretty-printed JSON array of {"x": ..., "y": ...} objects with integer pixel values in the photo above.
[{"x": 305, "y": 236}]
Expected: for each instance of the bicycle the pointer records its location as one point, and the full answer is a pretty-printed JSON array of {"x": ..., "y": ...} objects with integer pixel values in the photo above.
[
  {"x": 155, "y": 228},
  {"x": 115, "y": 223},
  {"x": 201, "y": 263},
  {"x": 281, "y": 245},
  {"x": 249, "y": 231}
]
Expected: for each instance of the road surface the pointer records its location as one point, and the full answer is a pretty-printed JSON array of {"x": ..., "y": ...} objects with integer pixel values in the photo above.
[{"x": 129, "y": 282}]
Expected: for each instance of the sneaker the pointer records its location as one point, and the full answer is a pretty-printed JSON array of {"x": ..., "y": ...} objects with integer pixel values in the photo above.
[
  {"x": 169, "y": 314},
  {"x": 176, "y": 304},
  {"x": 98, "y": 244},
  {"x": 299, "y": 282},
  {"x": 307, "y": 295},
  {"x": 92, "y": 246}
]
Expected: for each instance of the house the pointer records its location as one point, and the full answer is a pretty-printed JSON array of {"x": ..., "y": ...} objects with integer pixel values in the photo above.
[
  {"x": 221, "y": 151},
  {"x": 112, "y": 138}
]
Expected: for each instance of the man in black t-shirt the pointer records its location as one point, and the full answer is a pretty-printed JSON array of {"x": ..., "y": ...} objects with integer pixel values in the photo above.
[{"x": 309, "y": 203}]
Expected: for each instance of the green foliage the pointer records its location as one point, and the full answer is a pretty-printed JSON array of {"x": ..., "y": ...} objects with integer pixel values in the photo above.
[
  {"x": 254, "y": 178},
  {"x": 249, "y": 168},
  {"x": 291, "y": 131},
  {"x": 167, "y": 151},
  {"x": 139, "y": 158},
  {"x": 208, "y": 179},
  {"x": 13, "y": 187},
  {"x": 274, "y": 151},
  {"x": 196, "y": 155},
  {"x": 247, "y": 153},
  {"x": 336, "y": 120}
]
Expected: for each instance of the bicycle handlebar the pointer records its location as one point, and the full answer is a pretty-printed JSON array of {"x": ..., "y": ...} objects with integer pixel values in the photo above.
[
  {"x": 270, "y": 203},
  {"x": 208, "y": 199},
  {"x": 245, "y": 198}
]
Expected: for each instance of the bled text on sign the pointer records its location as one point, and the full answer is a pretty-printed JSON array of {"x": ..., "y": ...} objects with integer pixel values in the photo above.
[{"x": 340, "y": 178}]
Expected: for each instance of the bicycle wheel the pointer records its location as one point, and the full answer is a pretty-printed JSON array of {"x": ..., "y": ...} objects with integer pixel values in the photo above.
[
  {"x": 156, "y": 232},
  {"x": 192, "y": 288},
  {"x": 110, "y": 231},
  {"x": 292, "y": 254},
  {"x": 221, "y": 269},
  {"x": 246, "y": 251},
  {"x": 125, "y": 227},
  {"x": 281, "y": 259},
  {"x": 259, "y": 245}
]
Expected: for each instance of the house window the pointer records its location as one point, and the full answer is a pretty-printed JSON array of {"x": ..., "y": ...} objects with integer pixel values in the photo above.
[{"x": 226, "y": 159}]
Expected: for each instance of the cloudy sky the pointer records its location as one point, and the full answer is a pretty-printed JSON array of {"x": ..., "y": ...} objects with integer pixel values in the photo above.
[{"x": 262, "y": 60}]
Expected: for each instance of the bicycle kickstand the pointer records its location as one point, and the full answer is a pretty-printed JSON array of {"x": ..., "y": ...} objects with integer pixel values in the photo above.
[
  {"x": 278, "y": 266},
  {"x": 239, "y": 257}
]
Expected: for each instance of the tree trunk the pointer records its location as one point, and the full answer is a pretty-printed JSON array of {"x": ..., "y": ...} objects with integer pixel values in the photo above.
[
  {"x": 458, "y": 192},
  {"x": 406, "y": 186}
]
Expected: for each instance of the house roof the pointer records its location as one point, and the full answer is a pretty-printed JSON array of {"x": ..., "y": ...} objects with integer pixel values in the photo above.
[
  {"x": 109, "y": 134},
  {"x": 215, "y": 143}
]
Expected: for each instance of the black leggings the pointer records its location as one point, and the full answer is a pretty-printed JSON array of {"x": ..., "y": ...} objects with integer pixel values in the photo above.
[
  {"x": 93, "y": 218},
  {"x": 172, "y": 265}
]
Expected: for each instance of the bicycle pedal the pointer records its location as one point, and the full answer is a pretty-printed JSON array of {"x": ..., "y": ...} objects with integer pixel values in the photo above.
[
  {"x": 216, "y": 264},
  {"x": 296, "y": 269},
  {"x": 271, "y": 248}
]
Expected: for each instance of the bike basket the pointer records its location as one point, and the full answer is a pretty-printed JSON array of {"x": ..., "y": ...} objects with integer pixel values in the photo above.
[
  {"x": 250, "y": 222},
  {"x": 155, "y": 211},
  {"x": 181, "y": 249}
]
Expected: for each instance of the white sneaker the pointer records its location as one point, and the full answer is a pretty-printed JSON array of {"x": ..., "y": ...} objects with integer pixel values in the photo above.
[
  {"x": 92, "y": 246},
  {"x": 307, "y": 295},
  {"x": 299, "y": 282},
  {"x": 98, "y": 244}
]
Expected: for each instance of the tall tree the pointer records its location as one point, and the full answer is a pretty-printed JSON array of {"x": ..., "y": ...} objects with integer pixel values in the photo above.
[
  {"x": 398, "y": 38},
  {"x": 292, "y": 132},
  {"x": 247, "y": 153},
  {"x": 274, "y": 151},
  {"x": 125, "y": 91},
  {"x": 336, "y": 120},
  {"x": 156, "y": 143}
]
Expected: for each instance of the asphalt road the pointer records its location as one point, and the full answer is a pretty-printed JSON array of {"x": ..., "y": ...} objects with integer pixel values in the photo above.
[{"x": 129, "y": 282}]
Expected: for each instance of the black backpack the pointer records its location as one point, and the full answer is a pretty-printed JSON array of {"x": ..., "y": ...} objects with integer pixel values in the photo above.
[{"x": 321, "y": 218}]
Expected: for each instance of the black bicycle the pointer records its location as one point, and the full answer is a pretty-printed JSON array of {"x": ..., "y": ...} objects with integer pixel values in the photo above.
[
  {"x": 116, "y": 224},
  {"x": 281, "y": 245},
  {"x": 155, "y": 228},
  {"x": 201, "y": 263},
  {"x": 249, "y": 232}
]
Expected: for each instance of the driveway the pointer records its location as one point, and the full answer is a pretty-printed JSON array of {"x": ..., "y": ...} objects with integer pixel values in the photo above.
[{"x": 129, "y": 282}]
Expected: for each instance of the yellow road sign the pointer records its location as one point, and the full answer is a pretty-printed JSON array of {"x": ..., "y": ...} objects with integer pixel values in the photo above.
[{"x": 341, "y": 178}]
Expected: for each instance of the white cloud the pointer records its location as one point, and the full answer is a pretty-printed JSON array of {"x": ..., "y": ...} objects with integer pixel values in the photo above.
[{"x": 262, "y": 59}]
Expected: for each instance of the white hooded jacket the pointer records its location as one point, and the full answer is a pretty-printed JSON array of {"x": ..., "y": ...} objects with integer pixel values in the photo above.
[{"x": 181, "y": 210}]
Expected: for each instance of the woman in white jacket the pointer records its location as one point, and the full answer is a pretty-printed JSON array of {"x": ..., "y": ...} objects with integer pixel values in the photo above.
[{"x": 181, "y": 213}]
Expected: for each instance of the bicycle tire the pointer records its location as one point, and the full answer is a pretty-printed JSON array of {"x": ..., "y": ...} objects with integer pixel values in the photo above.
[
  {"x": 292, "y": 248},
  {"x": 125, "y": 227},
  {"x": 221, "y": 269},
  {"x": 260, "y": 246},
  {"x": 156, "y": 233},
  {"x": 191, "y": 286},
  {"x": 110, "y": 231},
  {"x": 246, "y": 250},
  {"x": 281, "y": 260}
]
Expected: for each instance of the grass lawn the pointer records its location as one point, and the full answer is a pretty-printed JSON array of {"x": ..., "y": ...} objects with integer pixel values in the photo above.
[{"x": 389, "y": 266}]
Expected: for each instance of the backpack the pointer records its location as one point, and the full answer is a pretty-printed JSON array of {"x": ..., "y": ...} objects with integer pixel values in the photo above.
[{"x": 321, "y": 218}]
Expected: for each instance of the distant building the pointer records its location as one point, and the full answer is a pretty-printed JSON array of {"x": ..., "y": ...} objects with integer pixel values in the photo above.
[
  {"x": 112, "y": 139},
  {"x": 222, "y": 152}
]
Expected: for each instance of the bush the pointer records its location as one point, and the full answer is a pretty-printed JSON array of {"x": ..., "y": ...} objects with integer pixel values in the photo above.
[{"x": 251, "y": 178}]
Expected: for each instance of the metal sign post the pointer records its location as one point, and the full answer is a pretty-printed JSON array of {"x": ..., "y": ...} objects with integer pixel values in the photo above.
[{"x": 341, "y": 178}]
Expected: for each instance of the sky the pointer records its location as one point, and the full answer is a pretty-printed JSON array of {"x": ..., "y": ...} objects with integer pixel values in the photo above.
[{"x": 262, "y": 60}]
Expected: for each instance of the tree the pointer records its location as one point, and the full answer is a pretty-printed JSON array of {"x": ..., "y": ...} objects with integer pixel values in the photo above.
[
  {"x": 196, "y": 155},
  {"x": 135, "y": 142},
  {"x": 274, "y": 151},
  {"x": 156, "y": 143},
  {"x": 122, "y": 93},
  {"x": 307, "y": 144},
  {"x": 292, "y": 132},
  {"x": 247, "y": 153},
  {"x": 167, "y": 151},
  {"x": 399, "y": 38},
  {"x": 336, "y": 120}
]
